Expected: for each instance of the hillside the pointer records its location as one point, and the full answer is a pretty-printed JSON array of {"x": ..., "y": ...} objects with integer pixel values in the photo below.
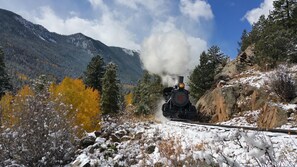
[
  {"x": 32, "y": 50},
  {"x": 243, "y": 97}
]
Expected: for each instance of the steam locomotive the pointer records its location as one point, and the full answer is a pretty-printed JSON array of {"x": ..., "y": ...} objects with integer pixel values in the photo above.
[{"x": 177, "y": 103}]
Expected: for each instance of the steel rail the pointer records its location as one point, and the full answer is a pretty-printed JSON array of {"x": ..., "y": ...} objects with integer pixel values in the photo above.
[{"x": 285, "y": 131}]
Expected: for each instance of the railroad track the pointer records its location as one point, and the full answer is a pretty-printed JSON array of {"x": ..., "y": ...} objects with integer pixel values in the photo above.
[{"x": 285, "y": 131}]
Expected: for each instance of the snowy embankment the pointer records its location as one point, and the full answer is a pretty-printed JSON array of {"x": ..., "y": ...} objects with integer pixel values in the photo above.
[
  {"x": 176, "y": 143},
  {"x": 263, "y": 80}
]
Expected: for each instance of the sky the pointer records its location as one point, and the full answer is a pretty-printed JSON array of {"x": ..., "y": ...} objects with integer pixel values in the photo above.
[{"x": 136, "y": 24}]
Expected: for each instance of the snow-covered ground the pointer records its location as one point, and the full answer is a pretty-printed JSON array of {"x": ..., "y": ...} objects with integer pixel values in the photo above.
[
  {"x": 249, "y": 119},
  {"x": 181, "y": 144},
  {"x": 175, "y": 143}
]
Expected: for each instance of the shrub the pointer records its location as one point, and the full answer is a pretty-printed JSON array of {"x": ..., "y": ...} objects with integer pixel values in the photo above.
[
  {"x": 40, "y": 136},
  {"x": 283, "y": 84}
]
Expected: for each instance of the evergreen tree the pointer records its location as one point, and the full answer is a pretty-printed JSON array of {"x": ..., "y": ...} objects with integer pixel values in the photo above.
[
  {"x": 4, "y": 79},
  {"x": 275, "y": 37},
  {"x": 147, "y": 93},
  {"x": 273, "y": 46},
  {"x": 94, "y": 73},
  {"x": 202, "y": 77},
  {"x": 283, "y": 12},
  {"x": 244, "y": 41},
  {"x": 110, "y": 90}
]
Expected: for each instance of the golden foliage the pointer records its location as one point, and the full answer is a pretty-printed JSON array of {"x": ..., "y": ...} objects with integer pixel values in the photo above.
[
  {"x": 10, "y": 105},
  {"x": 25, "y": 91},
  {"x": 128, "y": 99},
  {"x": 7, "y": 118},
  {"x": 84, "y": 101},
  {"x": 83, "y": 104}
]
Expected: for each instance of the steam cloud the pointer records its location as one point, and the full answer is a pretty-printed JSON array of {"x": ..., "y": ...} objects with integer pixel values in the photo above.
[{"x": 171, "y": 53}]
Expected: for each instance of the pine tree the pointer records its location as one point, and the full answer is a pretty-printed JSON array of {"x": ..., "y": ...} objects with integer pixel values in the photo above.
[
  {"x": 4, "y": 79},
  {"x": 94, "y": 73},
  {"x": 244, "y": 41},
  {"x": 202, "y": 77},
  {"x": 146, "y": 93},
  {"x": 110, "y": 90},
  {"x": 274, "y": 37},
  {"x": 283, "y": 12}
]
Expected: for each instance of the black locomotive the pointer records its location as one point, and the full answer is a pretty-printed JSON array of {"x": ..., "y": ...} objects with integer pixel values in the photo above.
[{"x": 177, "y": 103}]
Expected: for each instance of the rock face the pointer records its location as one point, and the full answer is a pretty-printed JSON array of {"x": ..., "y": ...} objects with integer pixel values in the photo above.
[
  {"x": 239, "y": 89},
  {"x": 225, "y": 101},
  {"x": 242, "y": 62},
  {"x": 272, "y": 116},
  {"x": 219, "y": 104}
]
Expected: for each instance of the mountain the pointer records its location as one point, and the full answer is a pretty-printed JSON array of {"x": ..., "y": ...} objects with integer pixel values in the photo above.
[{"x": 32, "y": 50}]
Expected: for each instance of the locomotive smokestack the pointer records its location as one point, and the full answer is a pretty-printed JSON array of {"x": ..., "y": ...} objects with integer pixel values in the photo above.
[{"x": 180, "y": 79}]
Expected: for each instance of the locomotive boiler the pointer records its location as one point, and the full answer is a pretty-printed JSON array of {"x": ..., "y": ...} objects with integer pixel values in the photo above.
[{"x": 177, "y": 103}]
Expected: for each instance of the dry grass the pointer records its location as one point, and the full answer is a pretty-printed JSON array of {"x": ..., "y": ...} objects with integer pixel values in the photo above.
[
  {"x": 128, "y": 115},
  {"x": 199, "y": 147},
  {"x": 172, "y": 150},
  {"x": 176, "y": 155}
]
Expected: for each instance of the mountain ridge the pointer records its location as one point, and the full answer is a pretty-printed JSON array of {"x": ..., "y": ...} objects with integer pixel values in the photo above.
[{"x": 32, "y": 50}]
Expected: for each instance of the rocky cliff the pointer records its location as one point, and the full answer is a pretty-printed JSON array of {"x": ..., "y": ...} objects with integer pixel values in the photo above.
[{"x": 242, "y": 88}]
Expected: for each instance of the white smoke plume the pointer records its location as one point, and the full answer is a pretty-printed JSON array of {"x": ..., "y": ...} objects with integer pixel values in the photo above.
[
  {"x": 171, "y": 53},
  {"x": 166, "y": 53}
]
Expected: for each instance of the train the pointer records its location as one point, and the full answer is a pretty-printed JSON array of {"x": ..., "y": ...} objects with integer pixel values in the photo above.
[{"x": 177, "y": 103}]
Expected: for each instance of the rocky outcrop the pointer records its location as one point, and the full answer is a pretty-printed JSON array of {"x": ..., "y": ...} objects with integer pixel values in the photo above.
[
  {"x": 272, "y": 116},
  {"x": 219, "y": 104},
  {"x": 225, "y": 101},
  {"x": 243, "y": 61}
]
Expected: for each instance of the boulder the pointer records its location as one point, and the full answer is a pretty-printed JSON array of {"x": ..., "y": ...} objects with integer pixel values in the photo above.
[
  {"x": 150, "y": 149},
  {"x": 98, "y": 133},
  {"x": 126, "y": 138},
  {"x": 223, "y": 102},
  {"x": 87, "y": 141},
  {"x": 115, "y": 138},
  {"x": 242, "y": 62},
  {"x": 258, "y": 99},
  {"x": 272, "y": 116},
  {"x": 229, "y": 71},
  {"x": 218, "y": 104}
]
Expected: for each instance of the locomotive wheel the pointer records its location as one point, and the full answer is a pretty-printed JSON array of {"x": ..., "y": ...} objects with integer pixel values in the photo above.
[
  {"x": 192, "y": 114},
  {"x": 166, "y": 110}
]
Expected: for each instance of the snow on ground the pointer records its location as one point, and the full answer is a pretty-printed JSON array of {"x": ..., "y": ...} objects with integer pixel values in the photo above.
[
  {"x": 249, "y": 119},
  {"x": 176, "y": 143},
  {"x": 257, "y": 78},
  {"x": 253, "y": 78}
]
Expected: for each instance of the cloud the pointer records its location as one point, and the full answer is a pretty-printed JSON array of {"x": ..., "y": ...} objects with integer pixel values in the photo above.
[
  {"x": 152, "y": 7},
  {"x": 98, "y": 4},
  {"x": 253, "y": 15},
  {"x": 199, "y": 9},
  {"x": 134, "y": 24},
  {"x": 107, "y": 29}
]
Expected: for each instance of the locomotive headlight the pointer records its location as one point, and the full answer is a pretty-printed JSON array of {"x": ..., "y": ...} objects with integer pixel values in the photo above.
[{"x": 181, "y": 85}]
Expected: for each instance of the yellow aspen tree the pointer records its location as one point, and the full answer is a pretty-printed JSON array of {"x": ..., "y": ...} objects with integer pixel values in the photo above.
[
  {"x": 128, "y": 99},
  {"x": 6, "y": 111},
  {"x": 84, "y": 102},
  {"x": 11, "y": 106}
]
